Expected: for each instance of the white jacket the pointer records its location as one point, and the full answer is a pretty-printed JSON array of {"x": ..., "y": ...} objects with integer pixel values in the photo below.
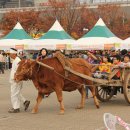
[
  {"x": 14, "y": 69},
  {"x": 123, "y": 65}
]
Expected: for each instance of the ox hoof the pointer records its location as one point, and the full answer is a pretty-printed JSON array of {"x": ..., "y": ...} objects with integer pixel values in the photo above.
[
  {"x": 79, "y": 107},
  {"x": 34, "y": 112},
  {"x": 61, "y": 112},
  {"x": 97, "y": 106}
]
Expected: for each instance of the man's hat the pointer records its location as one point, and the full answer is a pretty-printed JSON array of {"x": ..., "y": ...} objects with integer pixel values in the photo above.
[{"x": 13, "y": 51}]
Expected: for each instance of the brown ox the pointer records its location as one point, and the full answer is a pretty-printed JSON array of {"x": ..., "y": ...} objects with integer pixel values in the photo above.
[{"x": 48, "y": 81}]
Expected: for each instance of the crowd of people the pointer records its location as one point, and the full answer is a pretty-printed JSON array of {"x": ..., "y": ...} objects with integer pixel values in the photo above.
[{"x": 4, "y": 62}]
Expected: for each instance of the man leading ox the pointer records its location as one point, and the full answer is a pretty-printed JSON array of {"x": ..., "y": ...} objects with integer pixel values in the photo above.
[{"x": 16, "y": 95}]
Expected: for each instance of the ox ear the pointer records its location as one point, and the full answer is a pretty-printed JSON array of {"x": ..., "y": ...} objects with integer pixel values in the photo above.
[
  {"x": 26, "y": 61},
  {"x": 30, "y": 60}
]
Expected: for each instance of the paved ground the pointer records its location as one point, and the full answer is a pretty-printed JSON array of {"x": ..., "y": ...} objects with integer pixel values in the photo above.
[{"x": 89, "y": 118}]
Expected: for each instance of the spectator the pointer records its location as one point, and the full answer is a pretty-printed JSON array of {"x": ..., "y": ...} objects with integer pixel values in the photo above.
[
  {"x": 105, "y": 66},
  {"x": 42, "y": 54},
  {"x": 1, "y": 63},
  {"x": 35, "y": 56},
  {"x": 116, "y": 62},
  {"x": 126, "y": 61}
]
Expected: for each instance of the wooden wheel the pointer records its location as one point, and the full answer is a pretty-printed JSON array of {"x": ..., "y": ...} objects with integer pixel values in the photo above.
[
  {"x": 104, "y": 93},
  {"x": 126, "y": 87}
]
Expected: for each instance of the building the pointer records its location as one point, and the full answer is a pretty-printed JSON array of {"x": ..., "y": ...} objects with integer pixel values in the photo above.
[
  {"x": 20, "y": 5},
  {"x": 39, "y": 2},
  {"x": 36, "y": 3},
  {"x": 16, "y": 3},
  {"x": 104, "y": 1}
]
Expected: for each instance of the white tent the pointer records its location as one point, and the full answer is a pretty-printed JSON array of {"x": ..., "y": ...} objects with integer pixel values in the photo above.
[
  {"x": 126, "y": 44},
  {"x": 16, "y": 38},
  {"x": 55, "y": 38},
  {"x": 99, "y": 37}
]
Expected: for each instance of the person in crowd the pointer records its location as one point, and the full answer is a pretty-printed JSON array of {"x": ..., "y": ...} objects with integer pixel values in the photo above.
[
  {"x": 10, "y": 62},
  {"x": 21, "y": 54},
  {"x": 43, "y": 53},
  {"x": 30, "y": 55},
  {"x": 92, "y": 59},
  {"x": 116, "y": 62},
  {"x": 123, "y": 53},
  {"x": 105, "y": 65},
  {"x": 35, "y": 55},
  {"x": 112, "y": 54},
  {"x": 16, "y": 88},
  {"x": 126, "y": 61},
  {"x": 1, "y": 63},
  {"x": 104, "y": 68},
  {"x": 4, "y": 60},
  {"x": 7, "y": 61}
]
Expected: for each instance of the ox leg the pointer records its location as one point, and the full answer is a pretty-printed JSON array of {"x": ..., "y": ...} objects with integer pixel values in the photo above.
[
  {"x": 92, "y": 89},
  {"x": 83, "y": 97},
  {"x": 39, "y": 99},
  {"x": 60, "y": 99}
]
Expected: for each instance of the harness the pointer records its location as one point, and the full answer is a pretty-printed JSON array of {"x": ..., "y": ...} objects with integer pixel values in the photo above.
[{"x": 29, "y": 72}]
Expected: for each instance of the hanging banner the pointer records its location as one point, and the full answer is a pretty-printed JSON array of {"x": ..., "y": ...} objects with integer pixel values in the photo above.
[
  {"x": 26, "y": 47},
  {"x": 85, "y": 47},
  {"x": 117, "y": 46},
  {"x": 19, "y": 47},
  {"x": 61, "y": 46},
  {"x": 108, "y": 46}
]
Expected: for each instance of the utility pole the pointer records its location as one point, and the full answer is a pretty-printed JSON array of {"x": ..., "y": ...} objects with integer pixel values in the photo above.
[{"x": 123, "y": 19}]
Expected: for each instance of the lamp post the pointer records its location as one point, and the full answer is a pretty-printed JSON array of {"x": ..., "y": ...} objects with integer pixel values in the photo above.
[
  {"x": 123, "y": 19},
  {"x": 85, "y": 30}
]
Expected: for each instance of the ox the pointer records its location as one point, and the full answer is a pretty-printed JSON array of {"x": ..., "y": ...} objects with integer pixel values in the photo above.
[{"x": 48, "y": 81}]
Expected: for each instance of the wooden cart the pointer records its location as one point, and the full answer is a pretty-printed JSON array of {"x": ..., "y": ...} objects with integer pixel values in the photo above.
[
  {"x": 105, "y": 87},
  {"x": 104, "y": 92}
]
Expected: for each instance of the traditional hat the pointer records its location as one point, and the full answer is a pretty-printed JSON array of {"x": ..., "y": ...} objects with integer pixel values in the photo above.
[{"x": 13, "y": 51}]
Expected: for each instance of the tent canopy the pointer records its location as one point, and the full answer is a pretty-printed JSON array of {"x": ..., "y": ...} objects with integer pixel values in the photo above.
[
  {"x": 99, "y": 37},
  {"x": 55, "y": 38},
  {"x": 99, "y": 30},
  {"x": 18, "y": 33},
  {"x": 56, "y": 32}
]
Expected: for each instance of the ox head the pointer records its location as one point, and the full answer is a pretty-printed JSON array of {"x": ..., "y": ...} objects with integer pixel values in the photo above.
[{"x": 25, "y": 70}]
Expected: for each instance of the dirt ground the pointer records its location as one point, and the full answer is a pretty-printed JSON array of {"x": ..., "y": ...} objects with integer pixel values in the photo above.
[{"x": 89, "y": 118}]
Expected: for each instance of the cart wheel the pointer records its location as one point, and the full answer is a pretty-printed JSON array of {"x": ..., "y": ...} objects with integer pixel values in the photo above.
[
  {"x": 104, "y": 93},
  {"x": 126, "y": 88}
]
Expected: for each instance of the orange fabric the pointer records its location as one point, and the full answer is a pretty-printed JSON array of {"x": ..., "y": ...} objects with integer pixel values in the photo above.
[
  {"x": 105, "y": 67},
  {"x": 118, "y": 73}
]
